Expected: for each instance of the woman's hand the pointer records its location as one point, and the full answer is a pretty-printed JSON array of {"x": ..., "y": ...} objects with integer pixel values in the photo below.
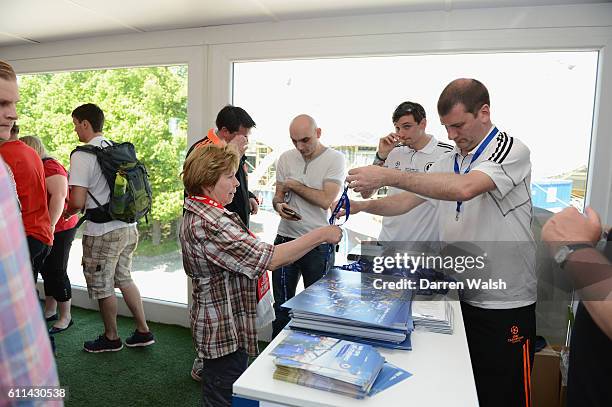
[{"x": 332, "y": 234}]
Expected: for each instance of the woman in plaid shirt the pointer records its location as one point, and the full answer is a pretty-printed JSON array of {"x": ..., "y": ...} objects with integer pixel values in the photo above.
[{"x": 224, "y": 260}]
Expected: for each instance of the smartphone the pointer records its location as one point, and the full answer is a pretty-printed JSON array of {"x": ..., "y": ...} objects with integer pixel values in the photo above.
[{"x": 292, "y": 213}]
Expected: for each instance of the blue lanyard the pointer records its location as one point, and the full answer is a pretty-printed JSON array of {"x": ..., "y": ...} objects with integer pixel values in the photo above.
[
  {"x": 477, "y": 154},
  {"x": 344, "y": 201}
]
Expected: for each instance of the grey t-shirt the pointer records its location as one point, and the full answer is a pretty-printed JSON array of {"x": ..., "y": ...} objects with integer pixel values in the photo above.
[{"x": 326, "y": 167}]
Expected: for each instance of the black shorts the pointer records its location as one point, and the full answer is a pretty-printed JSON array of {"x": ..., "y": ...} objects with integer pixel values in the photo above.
[{"x": 501, "y": 343}]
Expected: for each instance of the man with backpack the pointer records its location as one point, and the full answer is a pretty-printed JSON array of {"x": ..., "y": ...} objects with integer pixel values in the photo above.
[{"x": 108, "y": 243}]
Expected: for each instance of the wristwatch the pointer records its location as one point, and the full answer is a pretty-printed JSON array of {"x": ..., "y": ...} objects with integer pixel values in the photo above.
[
  {"x": 564, "y": 251},
  {"x": 378, "y": 160}
]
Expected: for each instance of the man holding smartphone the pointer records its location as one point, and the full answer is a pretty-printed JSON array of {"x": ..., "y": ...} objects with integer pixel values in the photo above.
[{"x": 308, "y": 179}]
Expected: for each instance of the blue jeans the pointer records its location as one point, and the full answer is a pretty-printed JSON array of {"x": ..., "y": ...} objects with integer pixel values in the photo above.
[{"x": 312, "y": 266}]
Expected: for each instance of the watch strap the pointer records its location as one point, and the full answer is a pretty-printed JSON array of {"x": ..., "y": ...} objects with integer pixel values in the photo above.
[{"x": 574, "y": 247}]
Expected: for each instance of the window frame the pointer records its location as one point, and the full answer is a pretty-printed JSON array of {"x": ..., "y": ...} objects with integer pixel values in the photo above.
[
  {"x": 195, "y": 59},
  {"x": 599, "y": 178}
]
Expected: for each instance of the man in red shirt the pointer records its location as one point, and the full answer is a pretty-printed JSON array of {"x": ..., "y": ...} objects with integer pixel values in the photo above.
[{"x": 27, "y": 169}]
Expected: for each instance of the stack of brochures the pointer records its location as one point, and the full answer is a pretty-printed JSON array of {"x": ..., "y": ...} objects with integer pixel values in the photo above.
[
  {"x": 334, "y": 365},
  {"x": 350, "y": 304},
  {"x": 434, "y": 314}
]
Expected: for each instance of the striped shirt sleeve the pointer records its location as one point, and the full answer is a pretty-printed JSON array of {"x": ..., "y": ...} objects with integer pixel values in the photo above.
[{"x": 508, "y": 164}]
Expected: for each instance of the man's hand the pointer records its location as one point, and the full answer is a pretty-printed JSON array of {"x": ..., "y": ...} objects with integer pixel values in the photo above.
[
  {"x": 254, "y": 206},
  {"x": 279, "y": 208},
  {"x": 386, "y": 144},
  {"x": 371, "y": 177},
  {"x": 356, "y": 207},
  {"x": 569, "y": 225},
  {"x": 240, "y": 142}
]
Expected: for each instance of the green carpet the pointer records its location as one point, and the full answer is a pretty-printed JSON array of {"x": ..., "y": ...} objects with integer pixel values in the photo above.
[{"x": 158, "y": 375}]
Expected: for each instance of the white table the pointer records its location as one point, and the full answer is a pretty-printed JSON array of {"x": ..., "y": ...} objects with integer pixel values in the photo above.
[
  {"x": 366, "y": 251},
  {"x": 440, "y": 364}
]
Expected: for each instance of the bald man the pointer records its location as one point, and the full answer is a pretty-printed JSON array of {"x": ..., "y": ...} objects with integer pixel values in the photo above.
[{"x": 308, "y": 179}]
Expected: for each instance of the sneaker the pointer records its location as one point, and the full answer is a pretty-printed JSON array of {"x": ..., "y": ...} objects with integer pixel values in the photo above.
[
  {"x": 140, "y": 339},
  {"x": 103, "y": 344},
  {"x": 196, "y": 370}
]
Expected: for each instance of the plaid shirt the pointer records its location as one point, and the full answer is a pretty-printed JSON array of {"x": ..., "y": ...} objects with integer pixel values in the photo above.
[
  {"x": 25, "y": 351},
  {"x": 224, "y": 262}
]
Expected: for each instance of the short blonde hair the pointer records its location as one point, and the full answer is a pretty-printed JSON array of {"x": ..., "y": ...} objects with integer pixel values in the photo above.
[
  {"x": 206, "y": 164},
  {"x": 7, "y": 72},
  {"x": 37, "y": 144}
]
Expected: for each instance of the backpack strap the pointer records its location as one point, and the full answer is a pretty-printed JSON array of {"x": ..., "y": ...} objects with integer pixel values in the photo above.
[{"x": 100, "y": 213}]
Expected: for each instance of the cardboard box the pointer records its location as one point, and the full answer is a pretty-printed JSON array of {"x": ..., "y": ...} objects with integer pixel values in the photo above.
[{"x": 546, "y": 378}]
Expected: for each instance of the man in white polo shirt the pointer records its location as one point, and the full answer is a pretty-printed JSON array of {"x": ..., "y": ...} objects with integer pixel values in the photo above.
[
  {"x": 308, "y": 179},
  {"x": 409, "y": 149},
  {"x": 482, "y": 192}
]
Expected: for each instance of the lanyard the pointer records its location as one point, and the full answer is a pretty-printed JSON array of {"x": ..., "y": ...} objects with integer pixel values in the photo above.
[
  {"x": 476, "y": 155},
  {"x": 206, "y": 200},
  {"x": 344, "y": 201}
]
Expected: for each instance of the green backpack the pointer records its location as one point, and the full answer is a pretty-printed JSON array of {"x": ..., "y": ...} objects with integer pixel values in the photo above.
[{"x": 128, "y": 181}]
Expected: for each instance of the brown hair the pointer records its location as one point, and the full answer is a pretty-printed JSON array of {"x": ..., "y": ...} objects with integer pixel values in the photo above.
[
  {"x": 7, "y": 72},
  {"x": 206, "y": 164},
  {"x": 37, "y": 144},
  {"x": 471, "y": 93}
]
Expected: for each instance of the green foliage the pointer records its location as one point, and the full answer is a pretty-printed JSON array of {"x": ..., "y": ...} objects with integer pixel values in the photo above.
[
  {"x": 167, "y": 205},
  {"x": 138, "y": 104},
  {"x": 148, "y": 249}
]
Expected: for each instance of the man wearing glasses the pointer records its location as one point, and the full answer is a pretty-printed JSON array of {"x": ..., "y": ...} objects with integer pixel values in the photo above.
[
  {"x": 482, "y": 193},
  {"x": 409, "y": 149},
  {"x": 308, "y": 179}
]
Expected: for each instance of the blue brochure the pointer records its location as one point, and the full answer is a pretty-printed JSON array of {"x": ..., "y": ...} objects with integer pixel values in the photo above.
[
  {"x": 350, "y": 362},
  {"x": 352, "y": 298},
  {"x": 388, "y": 376},
  {"x": 405, "y": 345}
]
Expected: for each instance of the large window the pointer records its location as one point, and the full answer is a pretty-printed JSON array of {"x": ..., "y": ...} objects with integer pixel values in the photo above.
[
  {"x": 545, "y": 99},
  {"x": 146, "y": 106}
]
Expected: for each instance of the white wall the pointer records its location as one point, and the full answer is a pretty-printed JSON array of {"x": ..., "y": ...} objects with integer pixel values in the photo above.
[{"x": 209, "y": 53}]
